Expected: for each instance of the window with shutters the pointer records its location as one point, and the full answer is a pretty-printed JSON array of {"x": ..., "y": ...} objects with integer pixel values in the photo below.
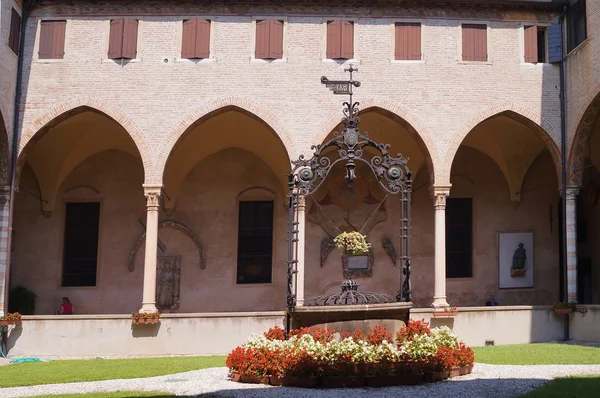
[
  {"x": 14, "y": 36},
  {"x": 340, "y": 39},
  {"x": 52, "y": 40},
  {"x": 407, "y": 41},
  {"x": 80, "y": 252},
  {"x": 459, "y": 237},
  {"x": 195, "y": 42},
  {"x": 122, "y": 42},
  {"x": 576, "y": 24},
  {"x": 535, "y": 44},
  {"x": 269, "y": 39},
  {"x": 474, "y": 42},
  {"x": 255, "y": 242}
]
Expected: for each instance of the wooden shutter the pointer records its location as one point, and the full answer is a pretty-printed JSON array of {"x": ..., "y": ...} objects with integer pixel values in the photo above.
[
  {"x": 347, "y": 45},
  {"x": 261, "y": 50},
  {"x": 555, "y": 41},
  {"x": 58, "y": 39},
  {"x": 334, "y": 39},
  {"x": 275, "y": 39},
  {"x": 115, "y": 41},
  {"x": 14, "y": 36},
  {"x": 202, "y": 49},
  {"x": 531, "y": 44},
  {"x": 130, "y": 33},
  {"x": 188, "y": 42},
  {"x": 474, "y": 42},
  {"x": 408, "y": 41},
  {"x": 46, "y": 32}
]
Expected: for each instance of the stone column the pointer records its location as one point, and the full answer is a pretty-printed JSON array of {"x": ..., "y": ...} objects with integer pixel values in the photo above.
[
  {"x": 152, "y": 193},
  {"x": 5, "y": 232},
  {"x": 301, "y": 249},
  {"x": 571, "y": 248},
  {"x": 440, "y": 193}
]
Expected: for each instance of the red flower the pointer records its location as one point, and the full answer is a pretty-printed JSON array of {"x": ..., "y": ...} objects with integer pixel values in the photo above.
[
  {"x": 378, "y": 334},
  {"x": 320, "y": 334},
  {"x": 412, "y": 329},
  {"x": 275, "y": 333}
]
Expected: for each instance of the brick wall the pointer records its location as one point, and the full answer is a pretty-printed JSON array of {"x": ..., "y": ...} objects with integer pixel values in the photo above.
[
  {"x": 155, "y": 100},
  {"x": 8, "y": 68}
]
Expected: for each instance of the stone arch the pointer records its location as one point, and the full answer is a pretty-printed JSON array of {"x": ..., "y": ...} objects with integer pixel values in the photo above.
[
  {"x": 524, "y": 115},
  {"x": 420, "y": 132},
  {"x": 576, "y": 159},
  {"x": 177, "y": 226},
  {"x": 61, "y": 112},
  {"x": 210, "y": 109}
]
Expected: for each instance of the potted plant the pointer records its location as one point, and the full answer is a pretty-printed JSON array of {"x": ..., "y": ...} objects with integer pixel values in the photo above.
[
  {"x": 563, "y": 307},
  {"x": 446, "y": 312},
  {"x": 148, "y": 318},
  {"x": 10, "y": 319},
  {"x": 438, "y": 367},
  {"x": 354, "y": 248}
]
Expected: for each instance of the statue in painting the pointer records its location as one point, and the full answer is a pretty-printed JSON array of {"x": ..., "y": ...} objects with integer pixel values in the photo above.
[{"x": 519, "y": 257}]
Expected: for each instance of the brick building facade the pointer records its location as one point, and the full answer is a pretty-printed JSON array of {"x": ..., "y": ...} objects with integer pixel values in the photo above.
[{"x": 193, "y": 139}]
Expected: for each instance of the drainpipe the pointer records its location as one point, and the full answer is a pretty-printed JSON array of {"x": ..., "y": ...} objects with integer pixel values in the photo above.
[
  {"x": 25, "y": 11},
  {"x": 563, "y": 150}
]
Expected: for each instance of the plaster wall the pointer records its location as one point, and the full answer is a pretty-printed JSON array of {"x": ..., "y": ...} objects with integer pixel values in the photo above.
[
  {"x": 584, "y": 323},
  {"x": 441, "y": 96},
  {"x": 8, "y": 70}
]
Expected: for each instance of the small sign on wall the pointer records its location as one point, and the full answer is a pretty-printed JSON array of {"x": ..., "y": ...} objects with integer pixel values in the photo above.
[{"x": 515, "y": 260}]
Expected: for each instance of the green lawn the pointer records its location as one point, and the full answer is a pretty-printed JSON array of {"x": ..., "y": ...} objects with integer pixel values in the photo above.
[
  {"x": 68, "y": 371},
  {"x": 538, "y": 354},
  {"x": 118, "y": 394},
  {"x": 568, "y": 387}
]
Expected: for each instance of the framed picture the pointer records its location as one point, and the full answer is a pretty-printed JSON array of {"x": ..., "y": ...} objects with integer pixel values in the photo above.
[{"x": 515, "y": 260}]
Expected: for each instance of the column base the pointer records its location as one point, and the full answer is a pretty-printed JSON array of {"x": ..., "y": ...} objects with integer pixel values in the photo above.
[
  {"x": 299, "y": 303},
  {"x": 148, "y": 308},
  {"x": 440, "y": 302}
]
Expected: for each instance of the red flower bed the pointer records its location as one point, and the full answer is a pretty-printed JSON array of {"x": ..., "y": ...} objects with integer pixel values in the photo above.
[
  {"x": 320, "y": 334},
  {"x": 412, "y": 329}
]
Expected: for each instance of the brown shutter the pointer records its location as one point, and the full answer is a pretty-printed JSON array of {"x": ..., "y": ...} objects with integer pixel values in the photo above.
[
  {"x": 262, "y": 40},
  {"x": 531, "y": 44},
  {"x": 58, "y": 39},
  {"x": 188, "y": 42},
  {"x": 334, "y": 39},
  {"x": 202, "y": 38},
  {"x": 408, "y": 41},
  {"x": 347, "y": 47},
  {"x": 474, "y": 42},
  {"x": 130, "y": 33},
  {"x": 115, "y": 40},
  {"x": 46, "y": 32},
  {"x": 14, "y": 36},
  {"x": 275, "y": 39}
]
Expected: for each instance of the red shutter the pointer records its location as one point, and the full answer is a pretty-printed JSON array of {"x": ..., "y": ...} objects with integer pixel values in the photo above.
[
  {"x": 275, "y": 39},
  {"x": 14, "y": 36},
  {"x": 262, "y": 40},
  {"x": 531, "y": 44},
  {"x": 202, "y": 38},
  {"x": 130, "y": 33},
  {"x": 46, "y": 32},
  {"x": 58, "y": 39},
  {"x": 347, "y": 47},
  {"x": 188, "y": 40},
  {"x": 474, "y": 42},
  {"x": 334, "y": 39},
  {"x": 115, "y": 40},
  {"x": 408, "y": 41}
]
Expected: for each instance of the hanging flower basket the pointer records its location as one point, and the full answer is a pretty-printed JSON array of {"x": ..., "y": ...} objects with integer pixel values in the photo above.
[
  {"x": 352, "y": 244},
  {"x": 145, "y": 318}
]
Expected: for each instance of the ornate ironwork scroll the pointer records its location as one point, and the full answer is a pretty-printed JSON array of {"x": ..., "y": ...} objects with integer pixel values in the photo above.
[{"x": 349, "y": 147}]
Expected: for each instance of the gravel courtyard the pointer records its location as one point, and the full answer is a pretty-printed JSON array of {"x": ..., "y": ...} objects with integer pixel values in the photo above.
[{"x": 495, "y": 381}]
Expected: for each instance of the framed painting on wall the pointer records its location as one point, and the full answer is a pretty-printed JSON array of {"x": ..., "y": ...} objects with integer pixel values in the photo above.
[{"x": 515, "y": 259}]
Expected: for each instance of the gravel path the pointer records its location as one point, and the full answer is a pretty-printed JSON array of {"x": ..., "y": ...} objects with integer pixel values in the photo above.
[{"x": 497, "y": 381}]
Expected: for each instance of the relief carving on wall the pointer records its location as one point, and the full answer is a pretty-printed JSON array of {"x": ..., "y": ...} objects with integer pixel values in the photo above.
[
  {"x": 389, "y": 248},
  {"x": 177, "y": 226},
  {"x": 168, "y": 276}
]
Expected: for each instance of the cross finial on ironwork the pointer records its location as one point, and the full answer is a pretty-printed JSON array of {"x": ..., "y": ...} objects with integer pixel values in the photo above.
[{"x": 343, "y": 87}]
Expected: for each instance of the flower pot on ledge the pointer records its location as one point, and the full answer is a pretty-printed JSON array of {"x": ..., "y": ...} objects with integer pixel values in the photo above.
[
  {"x": 6, "y": 322},
  {"x": 146, "y": 321},
  {"x": 445, "y": 314},
  {"x": 563, "y": 310}
]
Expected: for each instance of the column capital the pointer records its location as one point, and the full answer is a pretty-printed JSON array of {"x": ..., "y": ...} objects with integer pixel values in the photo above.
[
  {"x": 439, "y": 194},
  {"x": 572, "y": 193},
  {"x": 152, "y": 193}
]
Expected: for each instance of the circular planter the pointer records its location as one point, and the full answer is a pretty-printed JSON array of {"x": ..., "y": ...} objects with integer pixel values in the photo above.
[
  {"x": 251, "y": 379},
  {"x": 382, "y": 380},
  {"x": 465, "y": 370},
  {"x": 455, "y": 372},
  {"x": 295, "y": 381},
  {"x": 343, "y": 381},
  {"x": 563, "y": 310},
  {"x": 235, "y": 376},
  {"x": 410, "y": 379},
  {"x": 435, "y": 376}
]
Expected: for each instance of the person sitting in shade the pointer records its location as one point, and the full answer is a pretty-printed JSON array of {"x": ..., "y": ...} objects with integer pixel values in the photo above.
[
  {"x": 491, "y": 301},
  {"x": 66, "y": 308}
]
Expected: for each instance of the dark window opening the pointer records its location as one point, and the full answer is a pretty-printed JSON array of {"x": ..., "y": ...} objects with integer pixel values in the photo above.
[
  {"x": 459, "y": 238},
  {"x": 80, "y": 254},
  {"x": 255, "y": 242},
  {"x": 541, "y": 45},
  {"x": 576, "y": 24}
]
